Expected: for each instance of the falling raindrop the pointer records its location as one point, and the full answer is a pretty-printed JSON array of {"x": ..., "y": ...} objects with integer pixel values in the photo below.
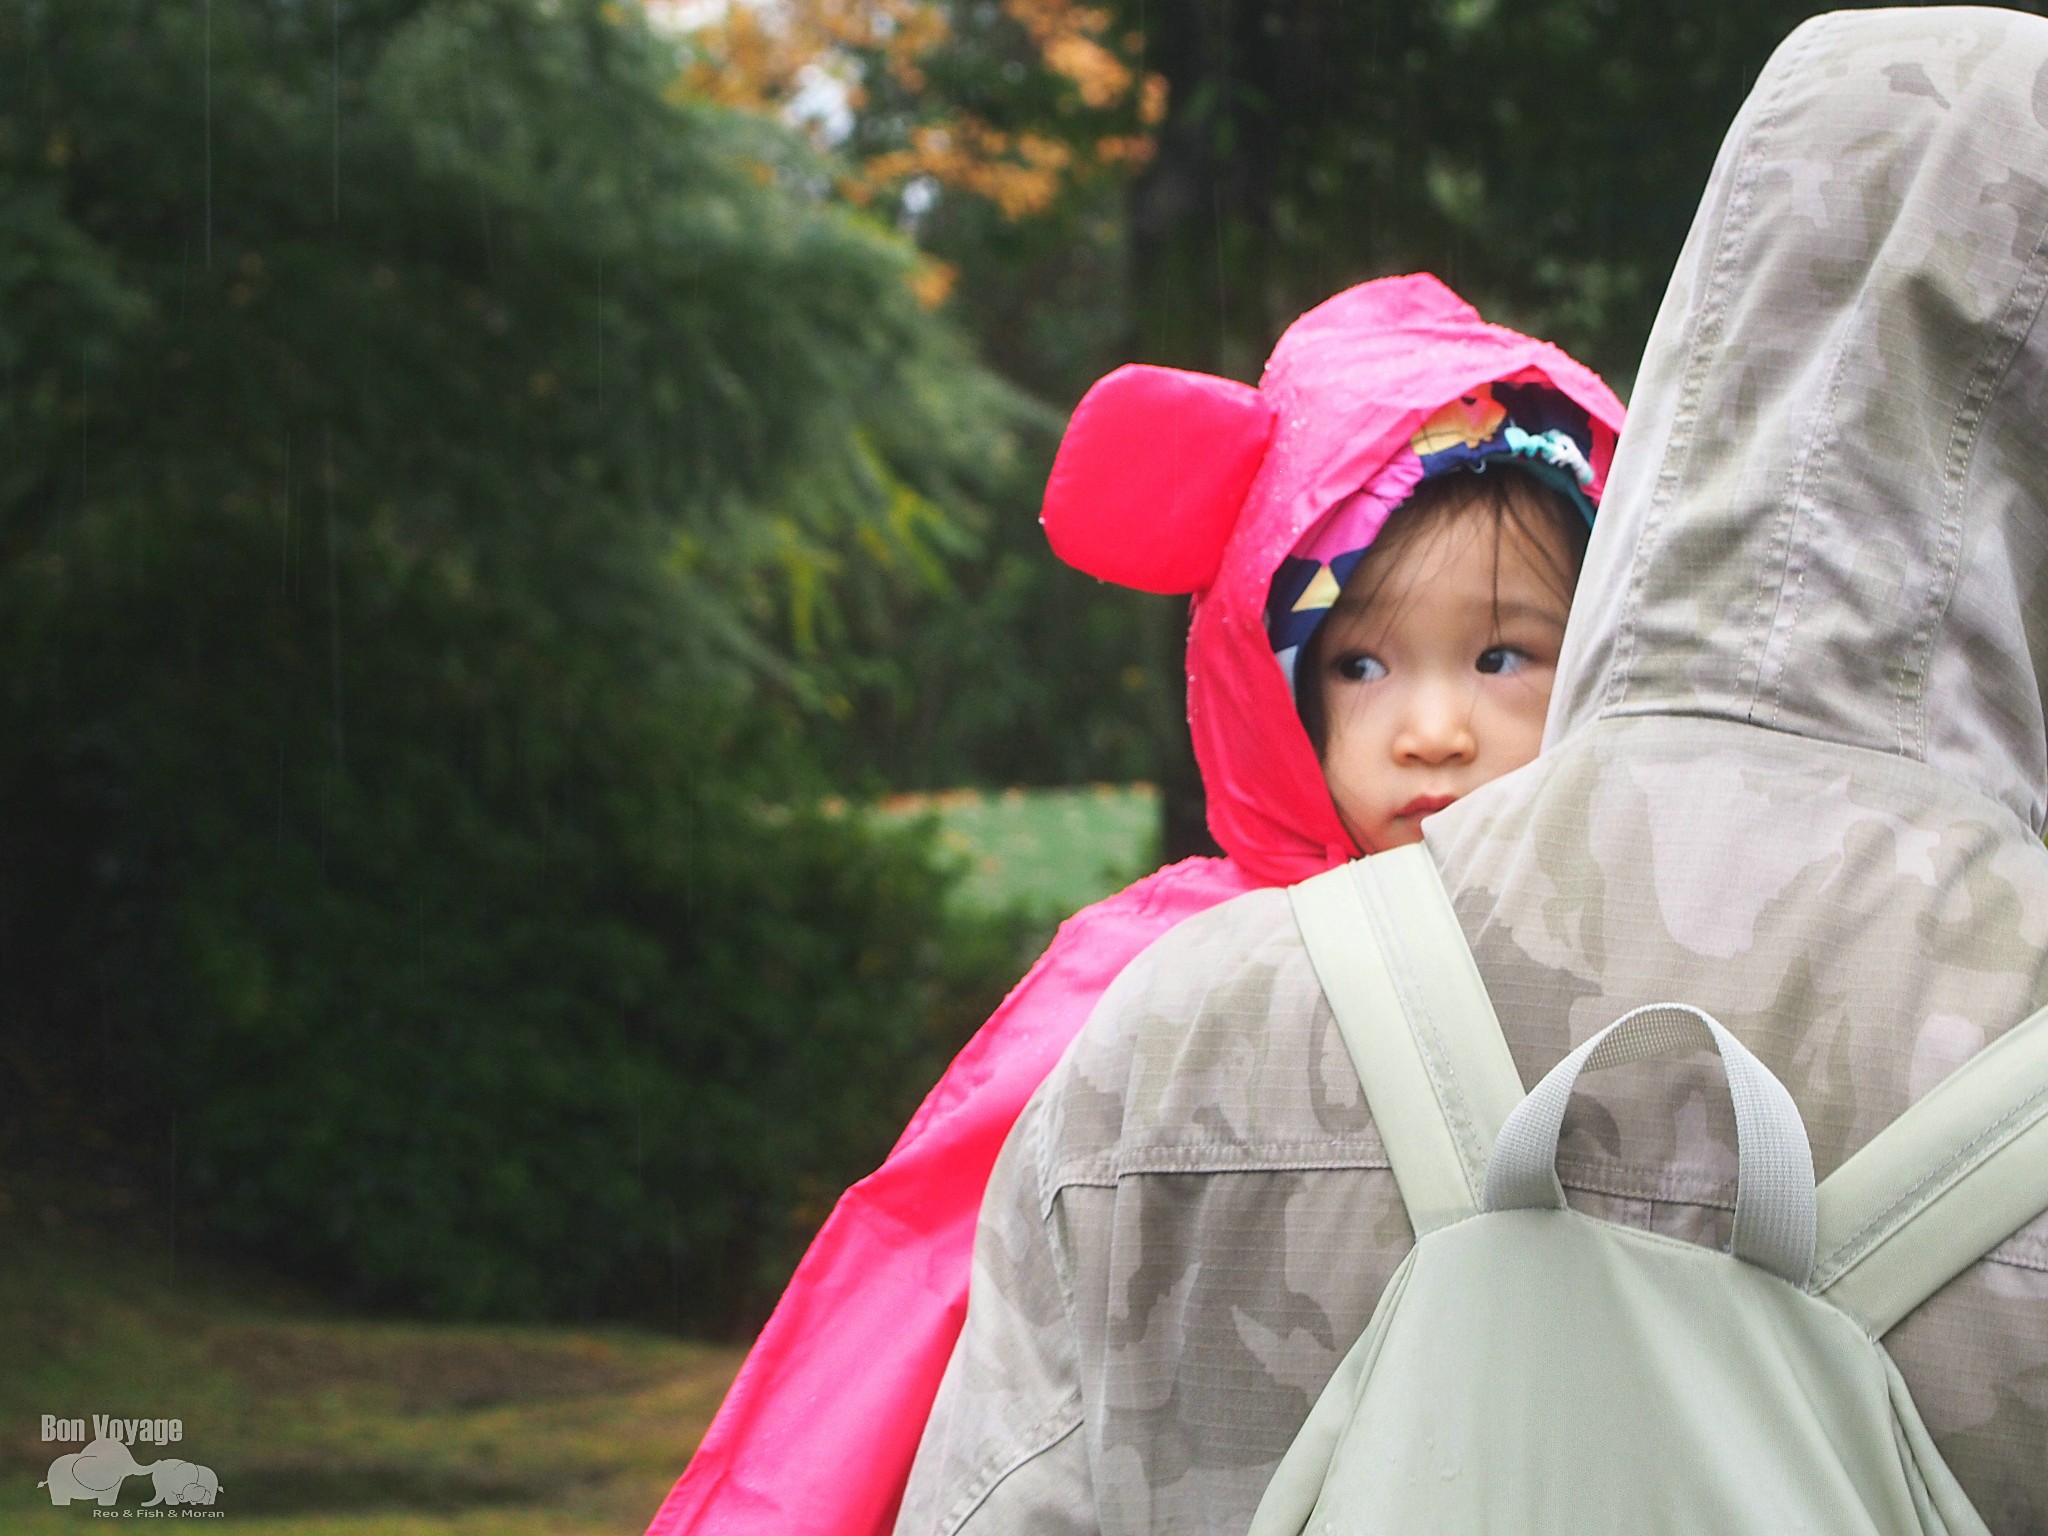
[
  {"x": 334, "y": 110},
  {"x": 172, "y": 1203},
  {"x": 1222, "y": 286},
  {"x": 483, "y": 205},
  {"x": 207, "y": 92},
  {"x": 284, "y": 566},
  {"x": 333, "y": 600}
]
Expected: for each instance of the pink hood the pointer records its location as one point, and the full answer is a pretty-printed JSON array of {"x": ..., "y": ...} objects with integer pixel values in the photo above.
[
  {"x": 1173, "y": 482},
  {"x": 1348, "y": 384}
]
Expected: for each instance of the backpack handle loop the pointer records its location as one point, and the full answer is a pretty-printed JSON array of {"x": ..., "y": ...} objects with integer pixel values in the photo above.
[{"x": 1774, "y": 1202}]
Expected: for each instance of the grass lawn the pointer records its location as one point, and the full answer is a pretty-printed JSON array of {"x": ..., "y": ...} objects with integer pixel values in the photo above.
[
  {"x": 1046, "y": 851},
  {"x": 322, "y": 1423}
]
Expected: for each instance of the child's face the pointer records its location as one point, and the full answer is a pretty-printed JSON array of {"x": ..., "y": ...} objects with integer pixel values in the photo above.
[{"x": 1438, "y": 681}]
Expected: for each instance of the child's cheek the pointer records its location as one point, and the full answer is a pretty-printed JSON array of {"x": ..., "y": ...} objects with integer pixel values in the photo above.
[{"x": 1518, "y": 715}]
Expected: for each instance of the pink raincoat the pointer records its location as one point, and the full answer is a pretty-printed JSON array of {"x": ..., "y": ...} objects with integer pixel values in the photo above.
[{"x": 1173, "y": 482}]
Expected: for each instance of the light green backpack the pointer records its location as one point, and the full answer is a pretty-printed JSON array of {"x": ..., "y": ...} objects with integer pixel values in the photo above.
[{"x": 1534, "y": 1370}]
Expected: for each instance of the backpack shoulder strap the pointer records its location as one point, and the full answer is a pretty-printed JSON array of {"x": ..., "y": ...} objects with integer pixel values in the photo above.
[
  {"x": 1941, "y": 1186},
  {"x": 1417, "y": 1023}
]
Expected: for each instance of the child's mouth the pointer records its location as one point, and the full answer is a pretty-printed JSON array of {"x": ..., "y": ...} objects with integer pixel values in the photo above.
[{"x": 1424, "y": 805}]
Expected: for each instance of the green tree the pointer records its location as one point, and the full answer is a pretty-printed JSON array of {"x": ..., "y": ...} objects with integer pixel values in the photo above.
[{"x": 430, "y": 452}]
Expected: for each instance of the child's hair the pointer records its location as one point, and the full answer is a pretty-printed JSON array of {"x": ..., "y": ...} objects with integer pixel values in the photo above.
[{"x": 1514, "y": 500}]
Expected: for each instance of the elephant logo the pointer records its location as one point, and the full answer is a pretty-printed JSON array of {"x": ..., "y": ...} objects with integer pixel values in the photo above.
[
  {"x": 94, "y": 1473},
  {"x": 182, "y": 1482}
]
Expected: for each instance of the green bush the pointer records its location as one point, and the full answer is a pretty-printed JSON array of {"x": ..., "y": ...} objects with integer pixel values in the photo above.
[{"x": 426, "y": 450}]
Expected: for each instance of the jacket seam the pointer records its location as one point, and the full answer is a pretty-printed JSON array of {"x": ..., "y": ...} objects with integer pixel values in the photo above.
[
  {"x": 1999, "y": 1255},
  {"x": 1665, "y": 711},
  {"x": 1731, "y": 238},
  {"x": 1782, "y": 562},
  {"x": 1775, "y": 638},
  {"x": 2022, "y": 309},
  {"x": 1106, "y": 1170},
  {"x": 1038, "y": 1437},
  {"x": 1628, "y": 1181},
  {"x": 1047, "y": 1193}
]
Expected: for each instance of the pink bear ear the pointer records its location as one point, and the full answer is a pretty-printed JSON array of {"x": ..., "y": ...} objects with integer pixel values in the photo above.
[{"x": 1151, "y": 474}]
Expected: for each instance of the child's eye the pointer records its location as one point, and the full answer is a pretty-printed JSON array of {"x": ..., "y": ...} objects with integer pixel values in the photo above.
[
  {"x": 1361, "y": 668},
  {"x": 1502, "y": 658}
]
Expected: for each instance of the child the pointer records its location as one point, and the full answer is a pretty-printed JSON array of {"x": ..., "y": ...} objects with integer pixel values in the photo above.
[
  {"x": 1424, "y": 670},
  {"x": 1265, "y": 504}
]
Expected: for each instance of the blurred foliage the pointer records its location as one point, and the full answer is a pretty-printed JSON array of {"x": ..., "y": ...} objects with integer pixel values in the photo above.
[
  {"x": 432, "y": 457},
  {"x": 1016, "y": 670},
  {"x": 1016, "y": 103}
]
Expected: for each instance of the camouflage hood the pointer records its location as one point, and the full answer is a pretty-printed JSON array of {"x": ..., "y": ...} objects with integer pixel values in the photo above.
[{"x": 1827, "y": 515}]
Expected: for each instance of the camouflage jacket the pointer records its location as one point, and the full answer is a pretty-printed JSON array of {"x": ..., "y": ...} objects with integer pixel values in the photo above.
[{"x": 1796, "y": 774}]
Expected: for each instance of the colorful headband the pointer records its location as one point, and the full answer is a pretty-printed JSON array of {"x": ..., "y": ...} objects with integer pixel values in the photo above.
[{"x": 1534, "y": 426}]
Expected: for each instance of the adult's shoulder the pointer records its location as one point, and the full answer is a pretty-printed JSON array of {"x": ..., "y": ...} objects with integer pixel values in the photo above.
[{"x": 1213, "y": 1049}]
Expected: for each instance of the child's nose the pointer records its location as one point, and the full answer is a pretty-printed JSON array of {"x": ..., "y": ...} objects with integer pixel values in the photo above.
[{"x": 1437, "y": 728}]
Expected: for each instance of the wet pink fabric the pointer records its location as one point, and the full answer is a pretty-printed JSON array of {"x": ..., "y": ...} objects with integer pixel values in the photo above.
[
  {"x": 1184, "y": 447},
  {"x": 817, "y": 1434}
]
